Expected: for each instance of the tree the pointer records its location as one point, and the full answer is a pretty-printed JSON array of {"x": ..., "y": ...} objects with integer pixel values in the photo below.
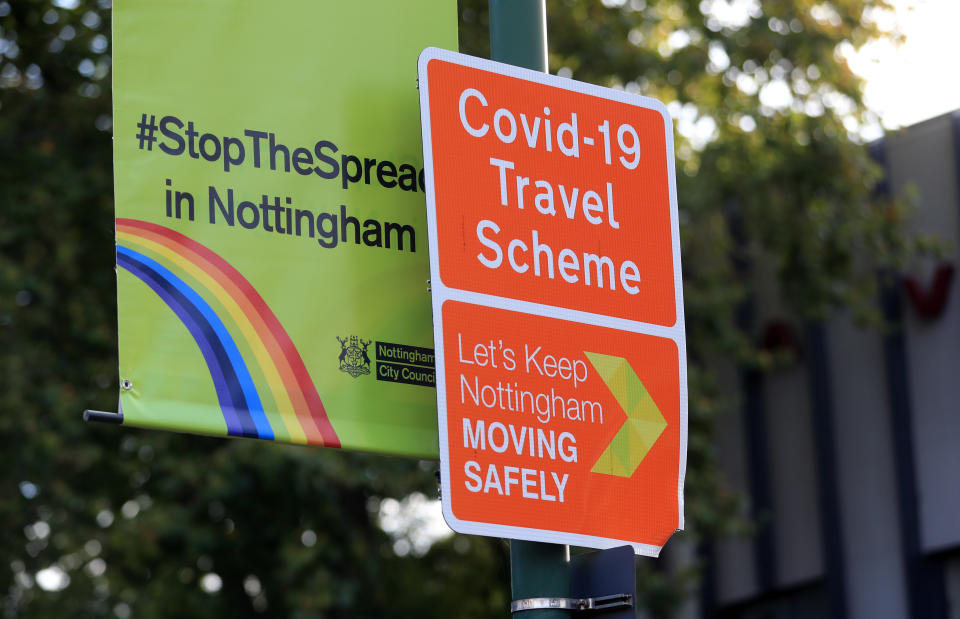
[
  {"x": 144, "y": 524},
  {"x": 148, "y": 524}
]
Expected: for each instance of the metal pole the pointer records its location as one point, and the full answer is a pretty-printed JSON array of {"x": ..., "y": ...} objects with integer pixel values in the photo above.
[
  {"x": 518, "y": 33},
  {"x": 539, "y": 570},
  {"x": 518, "y": 36}
]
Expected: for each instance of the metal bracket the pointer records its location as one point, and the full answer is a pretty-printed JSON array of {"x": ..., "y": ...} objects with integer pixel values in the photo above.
[
  {"x": 102, "y": 416},
  {"x": 604, "y": 602}
]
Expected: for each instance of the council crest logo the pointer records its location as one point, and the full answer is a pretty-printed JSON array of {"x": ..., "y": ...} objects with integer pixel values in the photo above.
[{"x": 353, "y": 355}]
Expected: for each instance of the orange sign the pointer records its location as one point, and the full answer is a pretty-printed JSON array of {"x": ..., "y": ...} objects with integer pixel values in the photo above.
[{"x": 558, "y": 315}]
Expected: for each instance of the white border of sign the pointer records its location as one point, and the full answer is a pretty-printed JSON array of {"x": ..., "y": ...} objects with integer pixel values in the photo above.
[{"x": 441, "y": 293}]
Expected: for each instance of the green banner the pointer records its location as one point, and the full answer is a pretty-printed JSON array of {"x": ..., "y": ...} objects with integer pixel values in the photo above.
[{"x": 271, "y": 231}]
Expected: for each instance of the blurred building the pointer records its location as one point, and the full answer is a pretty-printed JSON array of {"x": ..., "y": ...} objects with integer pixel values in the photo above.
[{"x": 851, "y": 456}]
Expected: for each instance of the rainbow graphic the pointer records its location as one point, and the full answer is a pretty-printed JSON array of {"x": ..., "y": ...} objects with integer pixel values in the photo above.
[{"x": 286, "y": 406}]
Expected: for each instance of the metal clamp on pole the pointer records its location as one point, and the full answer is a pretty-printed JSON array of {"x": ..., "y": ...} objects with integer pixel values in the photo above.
[{"x": 604, "y": 602}]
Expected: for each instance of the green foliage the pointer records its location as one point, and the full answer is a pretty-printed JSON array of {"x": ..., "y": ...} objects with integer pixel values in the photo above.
[{"x": 138, "y": 520}]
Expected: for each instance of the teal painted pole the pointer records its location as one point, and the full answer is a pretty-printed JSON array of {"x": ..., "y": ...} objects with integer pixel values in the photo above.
[
  {"x": 539, "y": 570},
  {"x": 518, "y": 36},
  {"x": 518, "y": 33}
]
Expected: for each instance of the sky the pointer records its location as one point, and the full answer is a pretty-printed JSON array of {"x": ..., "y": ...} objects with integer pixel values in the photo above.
[{"x": 918, "y": 80}]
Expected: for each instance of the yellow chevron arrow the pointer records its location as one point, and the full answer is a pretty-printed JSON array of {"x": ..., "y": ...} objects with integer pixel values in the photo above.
[{"x": 644, "y": 423}]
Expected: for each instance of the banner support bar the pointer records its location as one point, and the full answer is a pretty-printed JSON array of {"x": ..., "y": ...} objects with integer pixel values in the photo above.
[{"x": 103, "y": 416}]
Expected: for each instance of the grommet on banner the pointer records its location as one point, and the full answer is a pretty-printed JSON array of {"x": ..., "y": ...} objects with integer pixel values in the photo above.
[{"x": 605, "y": 602}]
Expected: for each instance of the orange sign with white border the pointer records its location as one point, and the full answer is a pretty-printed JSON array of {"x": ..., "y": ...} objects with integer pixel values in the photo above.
[{"x": 557, "y": 302}]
